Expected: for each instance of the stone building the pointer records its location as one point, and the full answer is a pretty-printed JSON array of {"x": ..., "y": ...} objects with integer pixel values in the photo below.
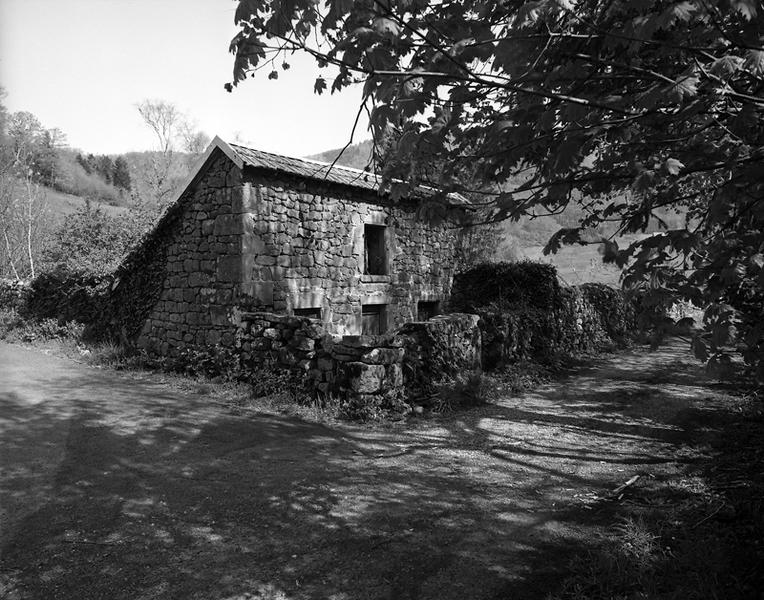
[{"x": 253, "y": 231}]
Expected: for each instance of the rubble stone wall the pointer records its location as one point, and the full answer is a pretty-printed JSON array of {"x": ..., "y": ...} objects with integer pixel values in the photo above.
[
  {"x": 199, "y": 287},
  {"x": 305, "y": 249},
  {"x": 263, "y": 241},
  {"x": 362, "y": 367}
]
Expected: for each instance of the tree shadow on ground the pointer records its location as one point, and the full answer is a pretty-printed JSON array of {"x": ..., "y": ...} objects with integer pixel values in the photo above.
[{"x": 145, "y": 493}]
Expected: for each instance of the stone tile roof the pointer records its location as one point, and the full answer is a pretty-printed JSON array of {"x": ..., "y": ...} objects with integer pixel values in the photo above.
[{"x": 312, "y": 169}]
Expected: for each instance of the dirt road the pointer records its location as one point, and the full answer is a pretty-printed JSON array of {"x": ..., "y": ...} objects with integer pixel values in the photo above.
[{"x": 116, "y": 486}]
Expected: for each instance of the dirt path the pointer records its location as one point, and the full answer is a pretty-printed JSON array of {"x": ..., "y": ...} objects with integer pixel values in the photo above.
[{"x": 116, "y": 486}]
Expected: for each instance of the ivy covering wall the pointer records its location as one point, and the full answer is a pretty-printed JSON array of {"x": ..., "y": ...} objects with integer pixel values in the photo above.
[{"x": 525, "y": 314}]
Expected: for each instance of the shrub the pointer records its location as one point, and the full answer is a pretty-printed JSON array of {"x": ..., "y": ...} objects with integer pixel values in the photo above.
[
  {"x": 461, "y": 392},
  {"x": 505, "y": 284},
  {"x": 68, "y": 297},
  {"x": 90, "y": 241},
  {"x": 526, "y": 315},
  {"x": 373, "y": 407},
  {"x": 15, "y": 327}
]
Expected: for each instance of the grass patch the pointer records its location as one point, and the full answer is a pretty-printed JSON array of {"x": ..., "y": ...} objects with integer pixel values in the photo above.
[{"x": 697, "y": 535}]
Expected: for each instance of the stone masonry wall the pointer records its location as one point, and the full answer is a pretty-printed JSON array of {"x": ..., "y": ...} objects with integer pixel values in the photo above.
[
  {"x": 306, "y": 246},
  {"x": 200, "y": 255},
  {"x": 361, "y": 367},
  {"x": 261, "y": 241}
]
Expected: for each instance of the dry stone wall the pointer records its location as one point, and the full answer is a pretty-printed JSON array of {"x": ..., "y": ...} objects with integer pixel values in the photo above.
[
  {"x": 369, "y": 369},
  {"x": 13, "y": 293}
]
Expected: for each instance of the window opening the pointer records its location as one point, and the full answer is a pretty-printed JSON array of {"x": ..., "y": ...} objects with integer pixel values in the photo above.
[
  {"x": 373, "y": 319},
  {"x": 313, "y": 313},
  {"x": 375, "y": 250},
  {"x": 426, "y": 310}
]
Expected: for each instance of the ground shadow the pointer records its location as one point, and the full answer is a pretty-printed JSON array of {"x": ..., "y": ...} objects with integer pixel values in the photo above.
[{"x": 144, "y": 492}]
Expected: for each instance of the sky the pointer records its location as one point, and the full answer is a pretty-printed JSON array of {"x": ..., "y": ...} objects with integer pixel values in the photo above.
[{"x": 82, "y": 65}]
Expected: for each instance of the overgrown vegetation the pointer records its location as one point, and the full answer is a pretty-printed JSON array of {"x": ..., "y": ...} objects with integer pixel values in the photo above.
[
  {"x": 694, "y": 537},
  {"x": 527, "y": 315}
]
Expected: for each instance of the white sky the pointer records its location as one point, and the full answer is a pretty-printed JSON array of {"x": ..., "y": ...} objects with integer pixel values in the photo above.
[{"x": 81, "y": 65}]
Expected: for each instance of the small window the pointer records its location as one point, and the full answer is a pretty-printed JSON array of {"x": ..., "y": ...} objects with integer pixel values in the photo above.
[
  {"x": 312, "y": 313},
  {"x": 373, "y": 319},
  {"x": 375, "y": 250},
  {"x": 427, "y": 310}
]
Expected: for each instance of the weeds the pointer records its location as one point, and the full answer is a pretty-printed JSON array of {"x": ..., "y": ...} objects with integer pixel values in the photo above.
[
  {"x": 521, "y": 376},
  {"x": 15, "y": 328},
  {"x": 696, "y": 536},
  {"x": 462, "y": 392}
]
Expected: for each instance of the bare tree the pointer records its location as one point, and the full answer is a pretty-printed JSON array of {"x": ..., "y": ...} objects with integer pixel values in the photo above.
[
  {"x": 173, "y": 130},
  {"x": 22, "y": 210}
]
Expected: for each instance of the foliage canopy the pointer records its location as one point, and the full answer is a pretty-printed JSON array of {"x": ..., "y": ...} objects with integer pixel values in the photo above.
[{"x": 622, "y": 107}]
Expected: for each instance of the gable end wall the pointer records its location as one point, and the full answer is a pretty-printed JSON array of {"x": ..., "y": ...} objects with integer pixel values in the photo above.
[{"x": 273, "y": 242}]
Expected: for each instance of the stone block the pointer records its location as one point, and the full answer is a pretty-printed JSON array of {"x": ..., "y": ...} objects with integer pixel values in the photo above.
[
  {"x": 208, "y": 227},
  {"x": 235, "y": 224},
  {"x": 230, "y": 268},
  {"x": 383, "y": 356},
  {"x": 252, "y": 243},
  {"x": 260, "y": 292},
  {"x": 303, "y": 343},
  {"x": 219, "y": 315},
  {"x": 325, "y": 364},
  {"x": 271, "y": 333},
  {"x": 362, "y": 378},
  {"x": 265, "y": 260}
]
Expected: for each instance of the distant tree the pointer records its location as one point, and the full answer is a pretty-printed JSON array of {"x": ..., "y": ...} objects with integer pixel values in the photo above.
[
  {"x": 34, "y": 145},
  {"x": 83, "y": 162},
  {"x": 27, "y": 160},
  {"x": 121, "y": 173},
  {"x": 105, "y": 168},
  {"x": 172, "y": 130},
  {"x": 193, "y": 141}
]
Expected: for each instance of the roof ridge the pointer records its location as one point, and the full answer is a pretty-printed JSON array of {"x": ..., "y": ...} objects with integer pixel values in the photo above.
[
  {"x": 308, "y": 160},
  {"x": 330, "y": 172}
]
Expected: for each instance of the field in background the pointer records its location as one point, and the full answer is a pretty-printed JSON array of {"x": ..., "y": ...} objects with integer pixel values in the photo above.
[
  {"x": 577, "y": 265},
  {"x": 59, "y": 205}
]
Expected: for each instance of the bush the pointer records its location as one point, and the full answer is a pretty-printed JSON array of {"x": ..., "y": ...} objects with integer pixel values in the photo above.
[
  {"x": 505, "y": 284},
  {"x": 68, "y": 297},
  {"x": 90, "y": 241},
  {"x": 525, "y": 314},
  {"x": 461, "y": 392},
  {"x": 373, "y": 407},
  {"x": 14, "y": 327}
]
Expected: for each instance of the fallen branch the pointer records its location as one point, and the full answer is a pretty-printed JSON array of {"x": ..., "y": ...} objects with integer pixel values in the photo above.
[
  {"x": 618, "y": 492},
  {"x": 707, "y": 517}
]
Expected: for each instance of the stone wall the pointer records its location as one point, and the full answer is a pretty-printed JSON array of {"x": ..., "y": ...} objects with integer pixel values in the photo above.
[
  {"x": 262, "y": 241},
  {"x": 306, "y": 247},
  {"x": 198, "y": 256},
  {"x": 13, "y": 293},
  {"x": 363, "y": 368}
]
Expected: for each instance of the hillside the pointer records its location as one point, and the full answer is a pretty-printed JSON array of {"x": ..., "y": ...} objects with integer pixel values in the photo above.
[
  {"x": 356, "y": 156},
  {"x": 59, "y": 205}
]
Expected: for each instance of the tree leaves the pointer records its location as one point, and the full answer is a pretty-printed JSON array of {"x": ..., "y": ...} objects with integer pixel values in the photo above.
[
  {"x": 754, "y": 62},
  {"x": 673, "y": 166},
  {"x": 628, "y": 110}
]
